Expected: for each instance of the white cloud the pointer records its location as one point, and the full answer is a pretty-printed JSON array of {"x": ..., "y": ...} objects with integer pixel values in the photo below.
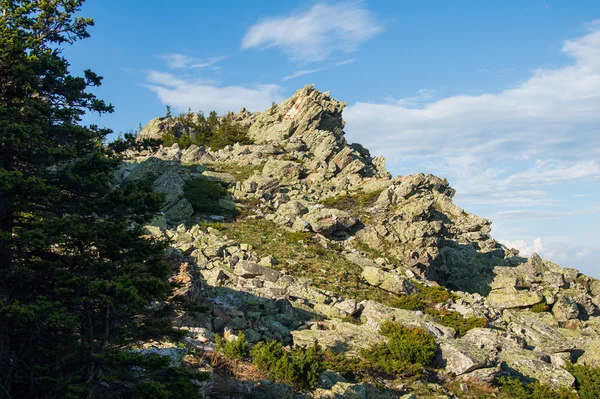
[
  {"x": 525, "y": 249},
  {"x": 513, "y": 155},
  {"x": 309, "y": 71},
  {"x": 181, "y": 61},
  {"x": 206, "y": 95},
  {"x": 541, "y": 132},
  {"x": 554, "y": 114},
  {"x": 544, "y": 172},
  {"x": 582, "y": 254},
  {"x": 316, "y": 33}
]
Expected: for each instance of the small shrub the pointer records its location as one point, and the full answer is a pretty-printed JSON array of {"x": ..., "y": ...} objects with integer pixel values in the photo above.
[
  {"x": 540, "y": 307},
  {"x": 407, "y": 302},
  {"x": 515, "y": 389},
  {"x": 351, "y": 368},
  {"x": 204, "y": 195},
  {"x": 455, "y": 320},
  {"x": 588, "y": 380},
  {"x": 300, "y": 368},
  {"x": 432, "y": 295},
  {"x": 407, "y": 351},
  {"x": 234, "y": 349}
]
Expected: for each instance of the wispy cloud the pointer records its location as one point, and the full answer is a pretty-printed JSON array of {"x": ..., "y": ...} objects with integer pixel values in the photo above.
[
  {"x": 524, "y": 248},
  {"x": 516, "y": 154},
  {"x": 182, "y": 61},
  {"x": 548, "y": 126},
  {"x": 309, "y": 71},
  {"x": 204, "y": 95},
  {"x": 315, "y": 34}
]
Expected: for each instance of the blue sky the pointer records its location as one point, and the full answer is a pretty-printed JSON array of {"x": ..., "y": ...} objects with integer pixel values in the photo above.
[{"x": 501, "y": 98}]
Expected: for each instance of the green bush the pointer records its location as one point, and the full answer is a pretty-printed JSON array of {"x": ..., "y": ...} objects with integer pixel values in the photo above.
[
  {"x": 513, "y": 388},
  {"x": 299, "y": 368},
  {"x": 588, "y": 381},
  {"x": 540, "y": 307},
  {"x": 407, "y": 302},
  {"x": 235, "y": 349},
  {"x": 432, "y": 295},
  {"x": 450, "y": 318},
  {"x": 407, "y": 351},
  {"x": 204, "y": 195},
  {"x": 168, "y": 139}
]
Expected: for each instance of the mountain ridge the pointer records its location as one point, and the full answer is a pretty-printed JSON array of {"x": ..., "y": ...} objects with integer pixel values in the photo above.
[{"x": 300, "y": 189}]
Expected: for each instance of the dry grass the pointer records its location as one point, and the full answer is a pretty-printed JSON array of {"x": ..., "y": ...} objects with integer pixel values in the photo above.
[
  {"x": 240, "y": 172},
  {"x": 241, "y": 370}
]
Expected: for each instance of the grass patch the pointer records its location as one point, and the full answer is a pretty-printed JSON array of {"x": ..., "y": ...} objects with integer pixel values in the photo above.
[
  {"x": 240, "y": 172},
  {"x": 513, "y": 388},
  {"x": 355, "y": 204},
  {"x": 407, "y": 351},
  {"x": 433, "y": 295},
  {"x": 407, "y": 302},
  {"x": 450, "y": 318},
  {"x": 302, "y": 256},
  {"x": 204, "y": 195},
  {"x": 540, "y": 307}
]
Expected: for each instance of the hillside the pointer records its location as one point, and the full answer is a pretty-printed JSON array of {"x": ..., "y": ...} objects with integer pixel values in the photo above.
[{"x": 302, "y": 237}]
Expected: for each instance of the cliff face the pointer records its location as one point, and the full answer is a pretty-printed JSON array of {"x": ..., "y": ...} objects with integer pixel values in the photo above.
[{"x": 323, "y": 233}]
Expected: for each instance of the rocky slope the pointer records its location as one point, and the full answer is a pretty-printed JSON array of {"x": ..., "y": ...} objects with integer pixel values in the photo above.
[{"x": 315, "y": 239}]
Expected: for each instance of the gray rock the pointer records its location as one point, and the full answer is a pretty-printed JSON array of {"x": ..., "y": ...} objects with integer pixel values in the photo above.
[
  {"x": 247, "y": 269},
  {"x": 327, "y": 221},
  {"x": 458, "y": 356}
]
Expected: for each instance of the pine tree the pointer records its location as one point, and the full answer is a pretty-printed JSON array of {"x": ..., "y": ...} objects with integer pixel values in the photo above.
[{"x": 76, "y": 274}]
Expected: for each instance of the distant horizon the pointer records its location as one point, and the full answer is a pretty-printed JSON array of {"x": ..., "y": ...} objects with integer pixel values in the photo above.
[{"x": 502, "y": 100}]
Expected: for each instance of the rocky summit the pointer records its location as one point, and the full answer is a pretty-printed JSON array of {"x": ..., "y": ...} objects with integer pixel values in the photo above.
[{"x": 301, "y": 237}]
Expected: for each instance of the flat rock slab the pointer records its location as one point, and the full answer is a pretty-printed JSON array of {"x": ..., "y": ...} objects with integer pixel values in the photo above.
[{"x": 247, "y": 269}]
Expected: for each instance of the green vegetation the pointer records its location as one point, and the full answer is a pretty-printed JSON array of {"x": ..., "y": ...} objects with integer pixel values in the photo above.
[
  {"x": 588, "y": 381},
  {"x": 128, "y": 142},
  {"x": 299, "y": 368},
  {"x": 432, "y": 295},
  {"x": 214, "y": 132},
  {"x": 237, "y": 348},
  {"x": 407, "y": 351},
  {"x": 424, "y": 298},
  {"x": 204, "y": 195},
  {"x": 302, "y": 256},
  {"x": 540, "y": 307},
  {"x": 455, "y": 320},
  {"x": 407, "y": 302},
  {"x": 356, "y": 203},
  {"x": 513, "y": 388},
  {"x": 77, "y": 275},
  {"x": 240, "y": 172}
]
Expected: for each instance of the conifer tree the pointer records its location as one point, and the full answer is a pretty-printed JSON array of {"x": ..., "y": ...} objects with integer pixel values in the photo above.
[{"x": 76, "y": 274}]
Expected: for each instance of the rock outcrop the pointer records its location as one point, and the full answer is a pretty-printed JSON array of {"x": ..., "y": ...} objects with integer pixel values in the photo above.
[{"x": 394, "y": 236}]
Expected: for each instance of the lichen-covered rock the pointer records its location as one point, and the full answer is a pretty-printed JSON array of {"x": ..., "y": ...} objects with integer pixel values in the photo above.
[
  {"x": 327, "y": 221},
  {"x": 247, "y": 269},
  {"x": 458, "y": 356},
  {"x": 565, "y": 308}
]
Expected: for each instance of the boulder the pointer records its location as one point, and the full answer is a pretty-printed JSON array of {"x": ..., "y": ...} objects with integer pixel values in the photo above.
[
  {"x": 565, "y": 309},
  {"x": 247, "y": 269},
  {"x": 328, "y": 220},
  {"x": 459, "y": 356}
]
